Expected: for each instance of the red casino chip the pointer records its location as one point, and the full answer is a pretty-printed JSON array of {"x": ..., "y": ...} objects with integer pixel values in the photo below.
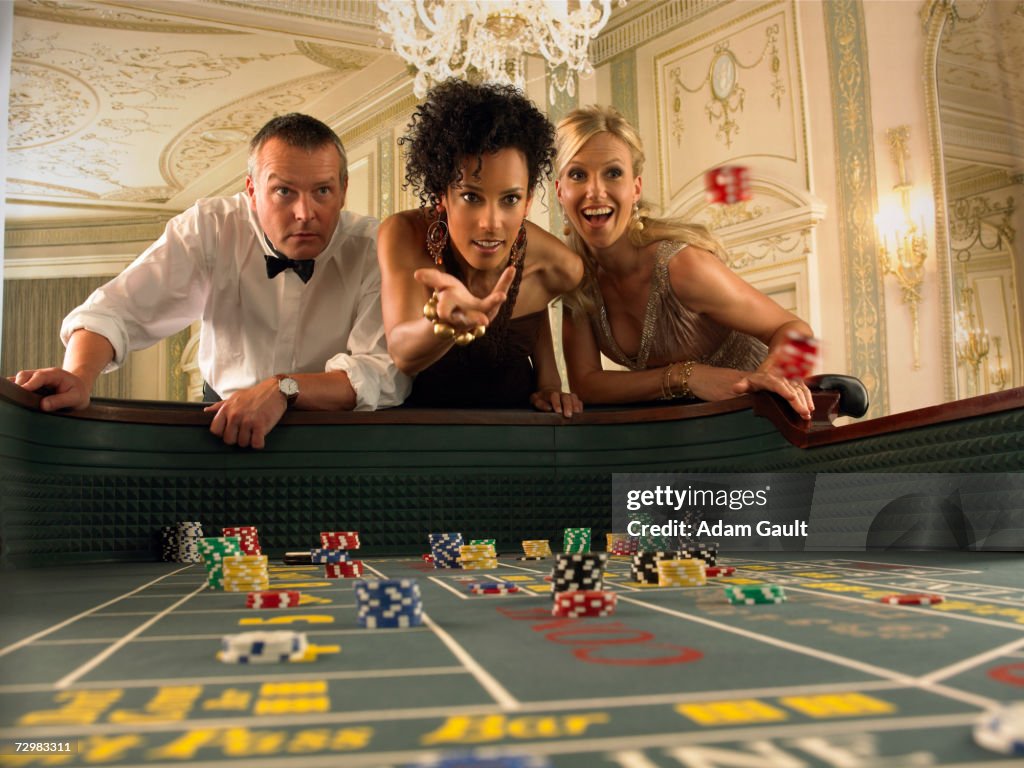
[
  {"x": 339, "y": 539},
  {"x": 353, "y": 569},
  {"x": 719, "y": 570},
  {"x": 584, "y": 602},
  {"x": 912, "y": 598},
  {"x": 273, "y": 599},
  {"x": 427, "y": 558}
]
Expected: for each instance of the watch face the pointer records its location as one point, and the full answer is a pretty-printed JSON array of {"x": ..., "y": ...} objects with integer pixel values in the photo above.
[
  {"x": 289, "y": 387},
  {"x": 723, "y": 76}
]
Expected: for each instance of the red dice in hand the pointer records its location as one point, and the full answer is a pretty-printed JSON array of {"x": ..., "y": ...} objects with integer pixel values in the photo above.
[
  {"x": 728, "y": 184},
  {"x": 799, "y": 355}
]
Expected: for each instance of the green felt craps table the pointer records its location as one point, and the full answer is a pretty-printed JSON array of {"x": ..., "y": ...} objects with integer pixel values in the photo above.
[{"x": 118, "y": 661}]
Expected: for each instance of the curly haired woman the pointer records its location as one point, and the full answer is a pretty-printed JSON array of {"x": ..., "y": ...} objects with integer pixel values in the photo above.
[{"x": 469, "y": 261}]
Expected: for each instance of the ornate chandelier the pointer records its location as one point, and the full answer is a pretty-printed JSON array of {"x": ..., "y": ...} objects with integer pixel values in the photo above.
[{"x": 488, "y": 40}]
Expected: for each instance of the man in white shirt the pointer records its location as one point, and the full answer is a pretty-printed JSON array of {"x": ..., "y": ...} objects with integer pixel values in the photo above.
[{"x": 286, "y": 285}]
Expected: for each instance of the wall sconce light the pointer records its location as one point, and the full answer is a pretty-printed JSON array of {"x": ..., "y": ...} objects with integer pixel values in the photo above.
[
  {"x": 972, "y": 341},
  {"x": 998, "y": 374},
  {"x": 902, "y": 244}
]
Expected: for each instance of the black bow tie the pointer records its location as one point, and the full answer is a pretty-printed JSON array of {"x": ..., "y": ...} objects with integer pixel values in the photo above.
[
  {"x": 279, "y": 263},
  {"x": 303, "y": 267}
]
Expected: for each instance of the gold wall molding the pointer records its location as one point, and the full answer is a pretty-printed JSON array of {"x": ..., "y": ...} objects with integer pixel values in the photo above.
[
  {"x": 934, "y": 17},
  {"x": 90, "y": 15},
  {"x": 662, "y": 16},
  {"x": 381, "y": 121},
  {"x": 988, "y": 182},
  {"x": 77, "y": 232},
  {"x": 355, "y": 12}
]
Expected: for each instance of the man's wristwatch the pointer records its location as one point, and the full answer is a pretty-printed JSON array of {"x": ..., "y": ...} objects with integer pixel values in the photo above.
[{"x": 288, "y": 387}]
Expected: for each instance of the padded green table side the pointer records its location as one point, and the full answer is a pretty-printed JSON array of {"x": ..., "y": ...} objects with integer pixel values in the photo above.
[{"x": 97, "y": 484}]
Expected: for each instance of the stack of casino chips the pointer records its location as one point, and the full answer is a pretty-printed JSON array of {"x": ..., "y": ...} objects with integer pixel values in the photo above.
[
  {"x": 245, "y": 573},
  {"x": 492, "y": 542},
  {"x": 756, "y": 594},
  {"x": 707, "y": 552},
  {"x": 578, "y": 571},
  {"x": 388, "y": 603},
  {"x": 179, "y": 543},
  {"x": 581, "y": 603},
  {"x": 213, "y": 550},
  {"x": 648, "y": 542},
  {"x": 478, "y": 557},
  {"x": 444, "y": 547},
  {"x": 622, "y": 544},
  {"x": 681, "y": 573},
  {"x": 334, "y": 555},
  {"x": 273, "y": 599},
  {"x": 248, "y": 538},
  {"x": 1001, "y": 729},
  {"x": 644, "y": 568},
  {"x": 493, "y": 587},
  {"x": 576, "y": 540},
  {"x": 262, "y": 647},
  {"x": 536, "y": 549}
]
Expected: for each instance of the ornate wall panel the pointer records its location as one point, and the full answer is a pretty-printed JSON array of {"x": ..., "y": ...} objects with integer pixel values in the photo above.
[
  {"x": 732, "y": 94},
  {"x": 862, "y": 288}
]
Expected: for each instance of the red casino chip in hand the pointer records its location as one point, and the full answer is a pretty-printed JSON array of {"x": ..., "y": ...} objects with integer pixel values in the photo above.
[
  {"x": 728, "y": 184},
  {"x": 798, "y": 356}
]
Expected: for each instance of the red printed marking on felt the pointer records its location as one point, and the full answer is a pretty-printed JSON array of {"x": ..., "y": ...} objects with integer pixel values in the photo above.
[
  {"x": 562, "y": 630},
  {"x": 1011, "y": 674}
]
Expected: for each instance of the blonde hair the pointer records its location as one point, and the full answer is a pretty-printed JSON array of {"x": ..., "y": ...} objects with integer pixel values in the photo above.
[{"x": 572, "y": 132}]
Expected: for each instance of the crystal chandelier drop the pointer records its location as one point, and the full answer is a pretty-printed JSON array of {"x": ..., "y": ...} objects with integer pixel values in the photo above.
[{"x": 488, "y": 40}]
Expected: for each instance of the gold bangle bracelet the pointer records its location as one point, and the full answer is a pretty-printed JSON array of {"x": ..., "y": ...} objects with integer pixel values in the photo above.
[{"x": 444, "y": 330}]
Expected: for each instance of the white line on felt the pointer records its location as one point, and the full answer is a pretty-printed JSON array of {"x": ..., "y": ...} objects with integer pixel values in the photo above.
[
  {"x": 487, "y": 681},
  {"x": 186, "y": 638},
  {"x": 973, "y": 661},
  {"x": 361, "y": 674},
  {"x": 43, "y": 633},
  {"x": 449, "y": 587},
  {"x": 951, "y": 595},
  {"x": 860, "y": 666},
  {"x": 99, "y": 658},
  {"x": 300, "y": 607},
  {"x": 426, "y": 713},
  {"x": 504, "y": 699},
  {"x": 919, "y": 610}
]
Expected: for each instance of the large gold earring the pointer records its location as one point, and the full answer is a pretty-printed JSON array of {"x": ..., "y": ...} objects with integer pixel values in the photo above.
[
  {"x": 519, "y": 246},
  {"x": 437, "y": 240},
  {"x": 637, "y": 223},
  {"x": 566, "y": 229}
]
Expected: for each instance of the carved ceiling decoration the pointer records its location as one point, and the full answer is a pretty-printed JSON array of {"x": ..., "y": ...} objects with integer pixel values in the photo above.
[
  {"x": 335, "y": 56},
  {"x": 114, "y": 106},
  {"x": 228, "y": 130},
  {"x": 91, "y": 15}
]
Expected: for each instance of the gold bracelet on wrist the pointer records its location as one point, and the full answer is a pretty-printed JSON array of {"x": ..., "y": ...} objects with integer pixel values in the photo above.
[
  {"x": 444, "y": 330},
  {"x": 675, "y": 382}
]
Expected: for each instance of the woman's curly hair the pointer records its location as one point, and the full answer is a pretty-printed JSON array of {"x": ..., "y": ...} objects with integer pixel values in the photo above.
[{"x": 460, "y": 119}]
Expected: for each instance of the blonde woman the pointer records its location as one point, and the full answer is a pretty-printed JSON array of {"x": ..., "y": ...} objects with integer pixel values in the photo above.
[{"x": 656, "y": 296}]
